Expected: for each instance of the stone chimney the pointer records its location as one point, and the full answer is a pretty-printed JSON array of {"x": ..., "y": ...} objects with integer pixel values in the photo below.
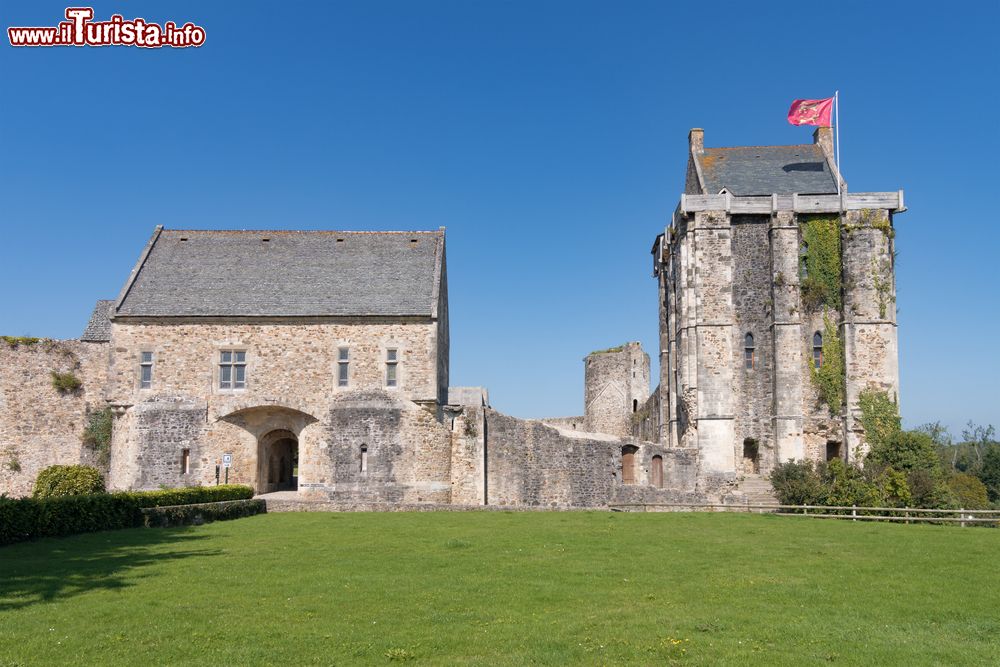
[
  {"x": 696, "y": 140},
  {"x": 823, "y": 137}
]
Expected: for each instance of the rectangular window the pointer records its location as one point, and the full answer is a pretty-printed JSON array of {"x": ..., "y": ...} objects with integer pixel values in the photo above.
[
  {"x": 391, "y": 370},
  {"x": 748, "y": 353},
  {"x": 145, "y": 370},
  {"x": 343, "y": 366},
  {"x": 185, "y": 461},
  {"x": 233, "y": 369}
]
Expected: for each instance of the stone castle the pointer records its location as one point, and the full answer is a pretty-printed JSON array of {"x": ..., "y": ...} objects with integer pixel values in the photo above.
[{"x": 314, "y": 365}]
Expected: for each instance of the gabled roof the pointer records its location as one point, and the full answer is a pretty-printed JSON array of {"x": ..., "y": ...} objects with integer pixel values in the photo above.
[
  {"x": 764, "y": 170},
  {"x": 99, "y": 327},
  {"x": 285, "y": 274}
]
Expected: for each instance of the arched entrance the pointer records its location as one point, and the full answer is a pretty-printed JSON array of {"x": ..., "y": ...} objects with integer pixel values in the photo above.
[{"x": 278, "y": 462}]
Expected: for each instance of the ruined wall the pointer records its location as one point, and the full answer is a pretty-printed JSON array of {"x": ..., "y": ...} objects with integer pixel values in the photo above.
[
  {"x": 529, "y": 463},
  {"x": 40, "y": 426},
  {"x": 646, "y": 422}
]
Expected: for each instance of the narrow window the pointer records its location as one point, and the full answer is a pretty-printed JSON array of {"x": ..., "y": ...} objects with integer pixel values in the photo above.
[
  {"x": 232, "y": 369},
  {"x": 817, "y": 349},
  {"x": 185, "y": 461},
  {"x": 803, "y": 263},
  {"x": 343, "y": 366},
  {"x": 145, "y": 370},
  {"x": 635, "y": 405},
  {"x": 364, "y": 458},
  {"x": 748, "y": 352},
  {"x": 391, "y": 370}
]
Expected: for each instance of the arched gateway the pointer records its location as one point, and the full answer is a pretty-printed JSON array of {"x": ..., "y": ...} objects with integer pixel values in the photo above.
[{"x": 277, "y": 444}]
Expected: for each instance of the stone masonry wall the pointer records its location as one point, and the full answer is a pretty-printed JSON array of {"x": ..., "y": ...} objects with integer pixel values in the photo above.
[
  {"x": 753, "y": 314},
  {"x": 40, "y": 426}
]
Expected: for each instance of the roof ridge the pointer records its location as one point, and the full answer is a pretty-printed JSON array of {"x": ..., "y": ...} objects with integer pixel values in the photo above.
[
  {"x": 303, "y": 231},
  {"x": 724, "y": 148}
]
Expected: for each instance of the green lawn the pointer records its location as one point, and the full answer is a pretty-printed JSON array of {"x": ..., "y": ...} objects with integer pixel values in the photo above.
[{"x": 506, "y": 589}]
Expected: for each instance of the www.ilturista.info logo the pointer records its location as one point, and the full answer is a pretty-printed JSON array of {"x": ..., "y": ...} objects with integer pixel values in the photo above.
[{"x": 80, "y": 30}]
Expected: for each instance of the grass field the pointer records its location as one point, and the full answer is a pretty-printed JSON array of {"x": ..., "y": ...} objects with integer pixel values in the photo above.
[{"x": 506, "y": 589}]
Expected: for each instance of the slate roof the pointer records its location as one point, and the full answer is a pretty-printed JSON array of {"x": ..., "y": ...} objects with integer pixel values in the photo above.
[
  {"x": 99, "y": 327},
  {"x": 286, "y": 274},
  {"x": 764, "y": 170}
]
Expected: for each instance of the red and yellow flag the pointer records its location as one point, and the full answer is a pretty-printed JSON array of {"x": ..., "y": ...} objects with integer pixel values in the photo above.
[{"x": 811, "y": 112}]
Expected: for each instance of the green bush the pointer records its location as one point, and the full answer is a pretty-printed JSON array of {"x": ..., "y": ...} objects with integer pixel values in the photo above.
[
  {"x": 188, "y": 495},
  {"x": 845, "y": 484},
  {"x": 65, "y": 383},
  {"x": 989, "y": 473},
  {"x": 68, "y": 481},
  {"x": 930, "y": 490},
  {"x": 797, "y": 483},
  {"x": 969, "y": 491}
]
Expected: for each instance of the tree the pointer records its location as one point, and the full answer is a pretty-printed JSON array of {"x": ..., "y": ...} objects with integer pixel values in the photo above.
[
  {"x": 989, "y": 472},
  {"x": 906, "y": 451}
]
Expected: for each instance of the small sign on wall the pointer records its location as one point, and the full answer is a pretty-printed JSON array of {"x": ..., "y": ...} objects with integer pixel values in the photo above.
[{"x": 227, "y": 460}]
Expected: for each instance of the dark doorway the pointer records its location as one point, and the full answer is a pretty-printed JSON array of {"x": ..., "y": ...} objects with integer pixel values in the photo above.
[
  {"x": 278, "y": 462},
  {"x": 833, "y": 450},
  {"x": 751, "y": 457}
]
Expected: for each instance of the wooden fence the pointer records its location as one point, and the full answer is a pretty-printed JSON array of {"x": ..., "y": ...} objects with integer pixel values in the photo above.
[{"x": 963, "y": 517}]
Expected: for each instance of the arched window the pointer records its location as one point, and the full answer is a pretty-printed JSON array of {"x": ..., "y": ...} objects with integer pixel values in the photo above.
[
  {"x": 364, "y": 458},
  {"x": 817, "y": 349},
  {"x": 635, "y": 405},
  {"x": 748, "y": 352}
]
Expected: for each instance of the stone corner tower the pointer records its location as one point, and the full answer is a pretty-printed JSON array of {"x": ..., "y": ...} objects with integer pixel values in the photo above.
[{"x": 616, "y": 386}]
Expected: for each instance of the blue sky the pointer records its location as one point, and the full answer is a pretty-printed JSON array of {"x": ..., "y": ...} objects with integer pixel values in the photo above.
[{"x": 548, "y": 137}]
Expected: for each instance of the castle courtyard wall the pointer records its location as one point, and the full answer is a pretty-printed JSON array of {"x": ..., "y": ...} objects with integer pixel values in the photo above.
[{"x": 40, "y": 426}]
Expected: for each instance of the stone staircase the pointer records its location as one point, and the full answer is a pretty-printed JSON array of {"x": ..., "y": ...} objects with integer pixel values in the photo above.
[{"x": 757, "y": 490}]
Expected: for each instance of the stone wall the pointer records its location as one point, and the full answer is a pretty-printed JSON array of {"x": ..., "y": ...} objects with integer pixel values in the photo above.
[
  {"x": 753, "y": 314},
  {"x": 39, "y": 426}
]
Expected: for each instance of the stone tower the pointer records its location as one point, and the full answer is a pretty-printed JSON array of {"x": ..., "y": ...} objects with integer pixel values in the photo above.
[
  {"x": 777, "y": 307},
  {"x": 616, "y": 386}
]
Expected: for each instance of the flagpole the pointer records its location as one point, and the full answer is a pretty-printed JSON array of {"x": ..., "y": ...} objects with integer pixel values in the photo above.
[{"x": 836, "y": 131}]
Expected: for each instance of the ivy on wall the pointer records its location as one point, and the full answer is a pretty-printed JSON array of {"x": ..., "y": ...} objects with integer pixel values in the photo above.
[
  {"x": 822, "y": 281},
  {"x": 829, "y": 378},
  {"x": 97, "y": 434},
  {"x": 879, "y": 416}
]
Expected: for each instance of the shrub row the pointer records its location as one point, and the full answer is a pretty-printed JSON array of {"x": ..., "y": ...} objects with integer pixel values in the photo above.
[
  {"x": 186, "y": 515},
  {"x": 189, "y": 495},
  {"x": 31, "y": 518}
]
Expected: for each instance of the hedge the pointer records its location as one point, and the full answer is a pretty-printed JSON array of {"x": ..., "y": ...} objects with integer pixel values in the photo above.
[
  {"x": 32, "y": 518},
  {"x": 189, "y": 495},
  {"x": 185, "y": 515}
]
